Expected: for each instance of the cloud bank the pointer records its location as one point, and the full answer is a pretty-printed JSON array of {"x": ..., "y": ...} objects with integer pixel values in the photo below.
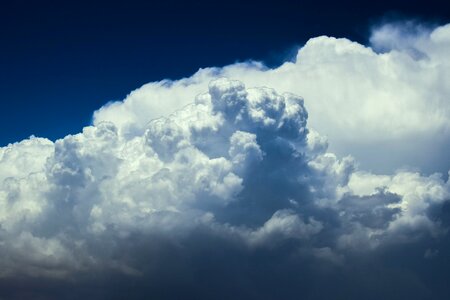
[{"x": 212, "y": 187}]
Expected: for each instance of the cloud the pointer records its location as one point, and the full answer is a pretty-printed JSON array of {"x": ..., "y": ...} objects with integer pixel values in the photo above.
[
  {"x": 373, "y": 105},
  {"x": 210, "y": 187}
]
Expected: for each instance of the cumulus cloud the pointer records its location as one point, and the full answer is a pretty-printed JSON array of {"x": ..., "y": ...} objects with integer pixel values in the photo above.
[
  {"x": 374, "y": 102},
  {"x": 210, "y": 187}
]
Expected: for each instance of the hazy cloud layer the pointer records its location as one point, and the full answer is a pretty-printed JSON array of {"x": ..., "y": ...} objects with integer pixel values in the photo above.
[{"x": 233, "y": 195}]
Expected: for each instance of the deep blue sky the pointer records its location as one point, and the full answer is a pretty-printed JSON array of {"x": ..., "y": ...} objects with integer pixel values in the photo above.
[{"x": 61, "y": 60}]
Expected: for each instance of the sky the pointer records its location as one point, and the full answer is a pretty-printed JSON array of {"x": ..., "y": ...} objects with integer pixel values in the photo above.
[
  {"x": 204, "y": 150},
  {"x": 62, "y": 60}
]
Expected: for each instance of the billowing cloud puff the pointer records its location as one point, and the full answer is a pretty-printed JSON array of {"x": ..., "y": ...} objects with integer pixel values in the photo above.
[
  {"x": 233, "y": 195},
  {"x": 374, "y": 103}
]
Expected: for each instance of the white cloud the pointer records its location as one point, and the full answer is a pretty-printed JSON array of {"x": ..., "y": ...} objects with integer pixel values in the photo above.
[
  {"x": 374, "y": 106},
  {"x": 238, "y": 161},
  {"x": 237, "y": 166}
]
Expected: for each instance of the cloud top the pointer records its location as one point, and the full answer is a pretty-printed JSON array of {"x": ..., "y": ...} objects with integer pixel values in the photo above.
[{"x": 372, "y": 105}]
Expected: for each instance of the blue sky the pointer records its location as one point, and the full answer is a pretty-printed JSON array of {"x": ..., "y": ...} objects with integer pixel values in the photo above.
[{"x": 61, "y": 61}]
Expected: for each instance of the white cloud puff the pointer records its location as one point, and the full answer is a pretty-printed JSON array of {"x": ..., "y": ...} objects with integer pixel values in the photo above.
[
  {"x": 375, "y": 106},
  {"x": 238, "y": 161}
]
